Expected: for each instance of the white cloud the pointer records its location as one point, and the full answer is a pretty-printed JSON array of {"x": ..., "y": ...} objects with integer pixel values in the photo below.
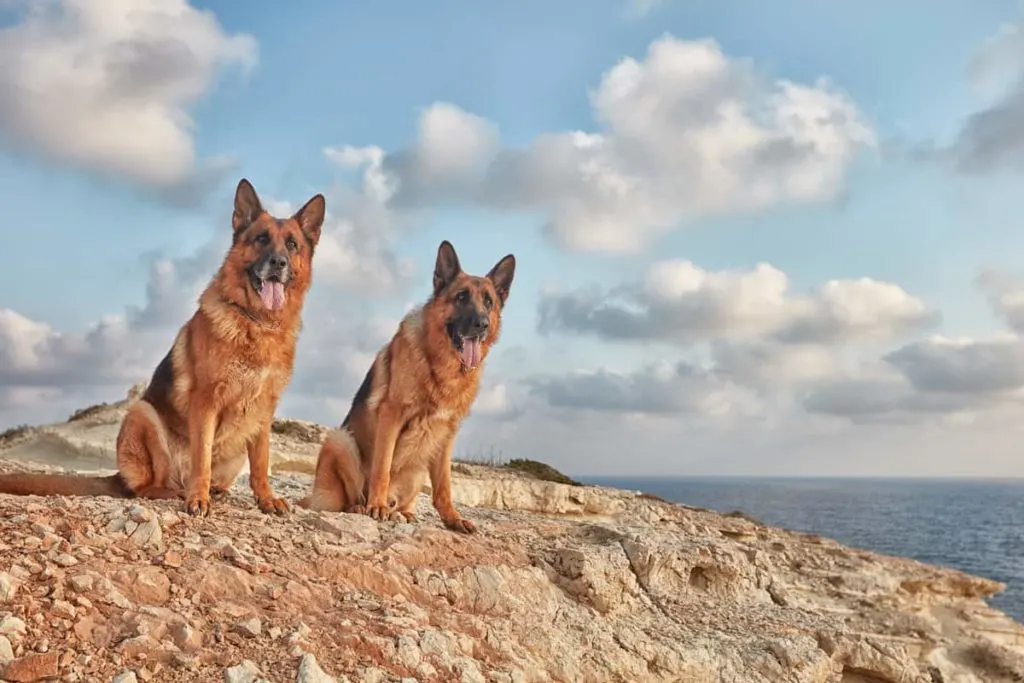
[
  {"x": 685, "y": 133},
  {"x": 771, "y": 364},
  {"x": 931, "y": 379},
  {"x": 451, "y": 146},
  {"x": 33, "y": 354},
  {"x": 678, "y": 302},
  {"x": 658, "y": 389},
  {"x": 108, "y": 86},
  {"x": 962, "y": 366},
  {"x": 786, "y": 369},
  {"x": 355, "y": 250}
]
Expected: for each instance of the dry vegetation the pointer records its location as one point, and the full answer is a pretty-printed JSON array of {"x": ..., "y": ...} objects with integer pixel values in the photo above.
[
  {"x": 996, "y": 660},
  {"x": 83, "y": 413},
  {"x": 542, "y": 471},
  {"x": 13, "y": 434},
  {"x": 307, "y": 433}
]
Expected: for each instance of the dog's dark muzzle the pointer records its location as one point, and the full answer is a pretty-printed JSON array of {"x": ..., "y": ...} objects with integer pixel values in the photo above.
[
  {"x": 273, "y": 268},
  {"x": 472, "y": 326}
]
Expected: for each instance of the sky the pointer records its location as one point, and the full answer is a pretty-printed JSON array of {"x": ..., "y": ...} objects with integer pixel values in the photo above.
[{"x": 751, "y": 238}]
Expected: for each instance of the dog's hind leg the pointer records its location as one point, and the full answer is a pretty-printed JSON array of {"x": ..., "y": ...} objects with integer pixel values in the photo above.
[
  {"x": 143, "y": 456},
  {"x": 338, "y": 485}
]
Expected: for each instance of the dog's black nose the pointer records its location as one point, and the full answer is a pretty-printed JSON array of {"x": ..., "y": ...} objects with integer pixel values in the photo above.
[
  {"x": 278, "y": 261},
  {"x": 480, "y": 324}
]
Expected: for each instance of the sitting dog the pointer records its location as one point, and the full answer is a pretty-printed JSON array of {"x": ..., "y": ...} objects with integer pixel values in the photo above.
[
  {"x": 406, "y": 414},
  {"x": 211, "y": 400}
]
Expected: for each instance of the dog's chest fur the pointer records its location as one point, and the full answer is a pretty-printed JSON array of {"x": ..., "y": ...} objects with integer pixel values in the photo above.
[{"x": 247, "y": 393}]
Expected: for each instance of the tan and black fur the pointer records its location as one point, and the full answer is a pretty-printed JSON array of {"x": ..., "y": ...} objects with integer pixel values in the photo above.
[
  {"x": 211, "y": 400},
  {"x": 405, "y": 416}
]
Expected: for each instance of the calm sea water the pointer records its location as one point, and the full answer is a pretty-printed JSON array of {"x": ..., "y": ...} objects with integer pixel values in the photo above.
[{"x": 974, "y": 526}]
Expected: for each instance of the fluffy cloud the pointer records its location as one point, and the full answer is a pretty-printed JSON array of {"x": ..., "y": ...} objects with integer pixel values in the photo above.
[
  {"x": 940, "y": 376},
  {"x": 355, "y": 250},
  {"x": 452, "y": 150},
  {"x": 34, "y": 354},
  {"x": 657, "y": 389},
  {"x": 758, "y": 350},
  {"x": 43, "y": 370},
  {"x": 109, "y": 86},
  {"x": 680, "y": 303},
  {"x": 685, "y": 133},
  {"x": 961, "y": 366},
  {"x": 765, "y": 364}
]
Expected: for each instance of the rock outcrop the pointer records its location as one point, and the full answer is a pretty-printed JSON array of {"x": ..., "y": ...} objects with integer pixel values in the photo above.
[{"x": 562, "y": 583}]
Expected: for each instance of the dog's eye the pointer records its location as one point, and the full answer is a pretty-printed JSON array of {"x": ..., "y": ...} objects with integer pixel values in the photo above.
[
  {"x": 462, "y": 297},
  {"x": 291, "y": 244},
  {"x": 263, "y": 238},
  {"x": 487, "y": 301}
]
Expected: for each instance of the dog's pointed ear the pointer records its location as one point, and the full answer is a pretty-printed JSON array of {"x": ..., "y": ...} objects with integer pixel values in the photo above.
[
  {"x": 447, "y": 267},
  {"x": 501, "y": 275},
  {"x": 311, "y": 218},
  {"x": 247, "y": 206}
]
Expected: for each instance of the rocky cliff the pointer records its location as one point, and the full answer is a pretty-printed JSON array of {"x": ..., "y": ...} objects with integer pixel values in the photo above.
[{"x": 563, "y": 583}]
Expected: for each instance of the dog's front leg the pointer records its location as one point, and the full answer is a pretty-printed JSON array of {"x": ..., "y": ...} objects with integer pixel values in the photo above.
[
  {"x": 384, "y": 440},
  {"x": 202, "y": 422},
  {"x": 259, "y": 474},
  {"x": 441, "y": 485}
]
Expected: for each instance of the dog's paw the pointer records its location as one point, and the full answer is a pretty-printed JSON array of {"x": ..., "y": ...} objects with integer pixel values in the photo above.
[
  {"x": 400, "y": 516},
  {"x": 273, "y": 506},
  {"x": 357, "y": 509},
  {"x": 463, "y": 526},
  {"x": 197, "y": 505},
  {"x": 217, "y": 492},
  {"x": 380, "y": 513}
]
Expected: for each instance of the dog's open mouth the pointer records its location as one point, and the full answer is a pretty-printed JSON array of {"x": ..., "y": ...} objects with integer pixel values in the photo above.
[
  {"x": 470, "y": 349},
  {"x": 271, "y": 292}
]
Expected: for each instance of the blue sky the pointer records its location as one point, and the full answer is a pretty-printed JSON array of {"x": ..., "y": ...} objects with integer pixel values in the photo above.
[{"x": 326, "y": 75}]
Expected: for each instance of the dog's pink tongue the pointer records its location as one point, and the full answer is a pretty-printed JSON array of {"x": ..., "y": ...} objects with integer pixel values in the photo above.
[
  {"x": 273, "y": 296},
  {"x": 472, "y": 350}
]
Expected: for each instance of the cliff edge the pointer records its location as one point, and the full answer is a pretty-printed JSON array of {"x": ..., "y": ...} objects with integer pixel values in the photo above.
[{"x": 562, "y": 583}]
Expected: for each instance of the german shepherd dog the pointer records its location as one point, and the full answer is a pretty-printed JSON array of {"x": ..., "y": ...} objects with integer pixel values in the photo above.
[
  {"x": 406, "y": 414},
  {"x": 212, "y": 398}
]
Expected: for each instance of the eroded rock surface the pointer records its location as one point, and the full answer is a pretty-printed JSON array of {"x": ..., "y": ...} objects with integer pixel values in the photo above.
[{"x": 560, "y": 584}]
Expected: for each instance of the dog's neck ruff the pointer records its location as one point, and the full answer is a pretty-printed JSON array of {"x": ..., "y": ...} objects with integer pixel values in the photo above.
[{"x": 252, "y": 317}]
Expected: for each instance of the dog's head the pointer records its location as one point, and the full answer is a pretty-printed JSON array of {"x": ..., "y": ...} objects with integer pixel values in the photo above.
[
  {"x": 270, "y": 257},
  {"x": 469, "y": 306}
]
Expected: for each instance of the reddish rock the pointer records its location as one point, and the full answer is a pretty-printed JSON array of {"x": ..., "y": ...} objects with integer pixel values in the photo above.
[
  {"x": 144, "y": 585},
  {"x": 36, "y": 667}
]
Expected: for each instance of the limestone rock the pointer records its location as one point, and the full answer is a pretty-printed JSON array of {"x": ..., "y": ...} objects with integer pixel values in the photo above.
[
  {"x": 249, "y": 627},
  {"x": 7, "y": 587},
  {"x": 310, "y": 671},
  {"x": 246, "y": 672}
]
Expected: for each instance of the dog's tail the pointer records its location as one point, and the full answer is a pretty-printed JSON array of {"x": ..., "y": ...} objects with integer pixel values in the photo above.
[{"x": 29, "y": 484}]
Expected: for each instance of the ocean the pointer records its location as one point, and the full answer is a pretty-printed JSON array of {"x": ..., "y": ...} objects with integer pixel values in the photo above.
[{"x": 976, "y": 526}]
